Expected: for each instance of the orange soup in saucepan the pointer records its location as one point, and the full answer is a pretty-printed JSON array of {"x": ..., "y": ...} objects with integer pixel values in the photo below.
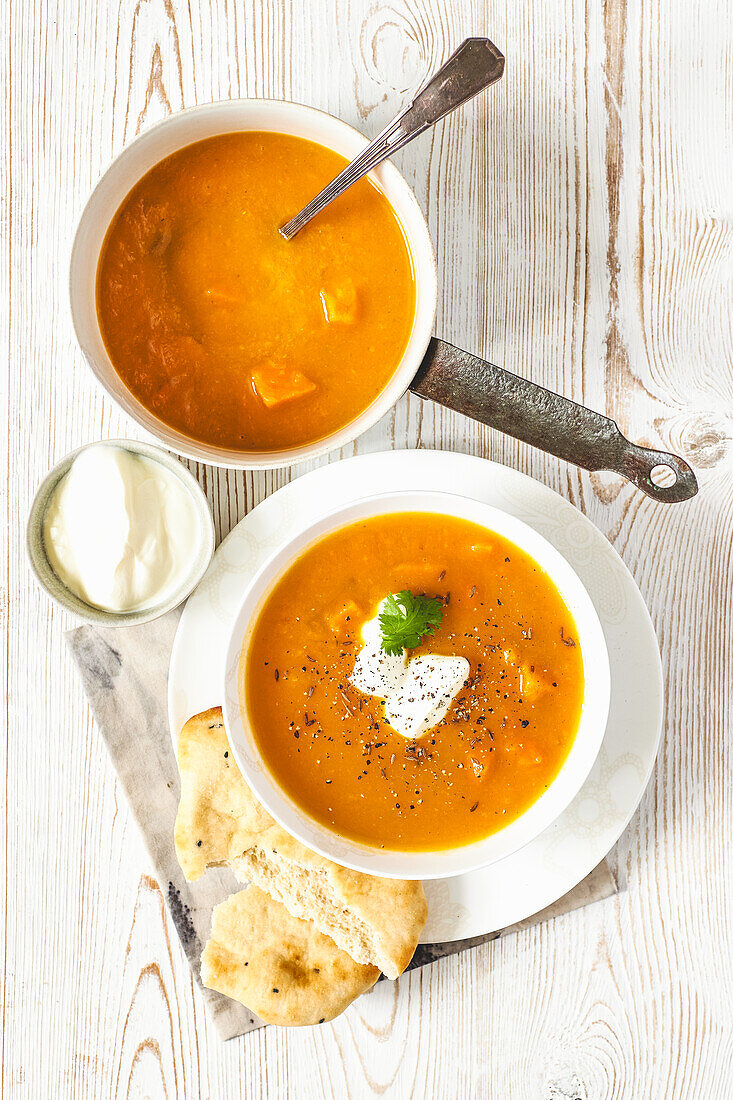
[
  {"x": 507, "y": 728},
  {"x": 229, "y": 333}
]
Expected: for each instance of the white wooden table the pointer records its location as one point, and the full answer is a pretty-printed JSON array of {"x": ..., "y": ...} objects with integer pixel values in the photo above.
[{"x": 581, "y": 213}]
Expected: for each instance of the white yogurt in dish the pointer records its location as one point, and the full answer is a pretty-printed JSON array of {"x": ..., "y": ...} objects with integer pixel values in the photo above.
[
  {"x": 120, "y": 530},
  {"x": 416, "y": 692}
]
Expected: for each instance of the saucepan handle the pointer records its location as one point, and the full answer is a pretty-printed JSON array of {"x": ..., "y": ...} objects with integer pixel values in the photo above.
[{"x": 520, "y": 408}]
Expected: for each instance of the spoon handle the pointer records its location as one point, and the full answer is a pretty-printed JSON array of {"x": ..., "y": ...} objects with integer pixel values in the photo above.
[
  {"x": 475, "y": 65},
  {"x": 544, "y": 419}
]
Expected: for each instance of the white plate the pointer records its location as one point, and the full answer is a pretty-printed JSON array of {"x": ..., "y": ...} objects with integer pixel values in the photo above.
[{"x": 540, "y": 873}]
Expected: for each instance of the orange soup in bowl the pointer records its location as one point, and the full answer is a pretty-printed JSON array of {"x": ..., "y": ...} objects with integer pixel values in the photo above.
[
  {"x": 232, "y": 335},
  {"x": 413, "y": 681}
]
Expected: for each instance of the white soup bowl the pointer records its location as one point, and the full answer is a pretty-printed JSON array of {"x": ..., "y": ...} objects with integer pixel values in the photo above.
[
  {"x": 184, "y": 129},
  {"x": 440, "y": 863}
]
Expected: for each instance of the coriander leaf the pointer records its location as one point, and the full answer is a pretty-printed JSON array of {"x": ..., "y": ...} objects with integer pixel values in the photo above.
[{"x": 405, "y": 619}]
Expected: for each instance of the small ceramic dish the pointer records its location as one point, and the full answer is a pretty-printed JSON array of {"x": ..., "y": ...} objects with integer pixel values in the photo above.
[
  {"x": 549, "y": 806},
  {"x": 58, "y": 591},
  {"x": 196, "y": 124}
]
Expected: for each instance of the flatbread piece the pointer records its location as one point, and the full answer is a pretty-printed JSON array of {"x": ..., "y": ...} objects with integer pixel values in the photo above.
[
  {"x": 218, "y": 816},
  {"x": 280, "y": 967},
  {"x": 377, "y": 920}
]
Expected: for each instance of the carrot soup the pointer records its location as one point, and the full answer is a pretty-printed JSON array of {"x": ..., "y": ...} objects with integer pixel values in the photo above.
[
  {"x": 413, "y": 681},
  {"x": 229, "y": 333}
]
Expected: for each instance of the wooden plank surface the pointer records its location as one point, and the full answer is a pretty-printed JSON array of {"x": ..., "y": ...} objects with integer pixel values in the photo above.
[{"x": 581, "y": 213}]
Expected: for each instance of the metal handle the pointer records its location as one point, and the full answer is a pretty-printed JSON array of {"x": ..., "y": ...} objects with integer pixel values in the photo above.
[
  {"x": 475, "y": 65},
  {"x": 526, "y": 411}
]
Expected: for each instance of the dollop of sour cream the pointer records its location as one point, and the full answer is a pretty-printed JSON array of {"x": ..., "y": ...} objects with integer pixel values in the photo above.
[
  {"x": 120, "y": 530},
  {"x": 416, "y": 692}
]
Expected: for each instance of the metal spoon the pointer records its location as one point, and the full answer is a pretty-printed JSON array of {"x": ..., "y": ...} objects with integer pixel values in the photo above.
[{"x": 475, "y": 65}]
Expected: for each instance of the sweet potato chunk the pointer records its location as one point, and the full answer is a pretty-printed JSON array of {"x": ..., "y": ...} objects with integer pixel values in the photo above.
[
  {"x": 340, "y": 304},
  {"x": 275, "y": 385},
  {"x": 531, "y": 685}
]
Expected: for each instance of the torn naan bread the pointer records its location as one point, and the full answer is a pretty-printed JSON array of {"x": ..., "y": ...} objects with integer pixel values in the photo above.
[
  {"x": 377, "y": 921},
  {"x": 280, "y": 967}
]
